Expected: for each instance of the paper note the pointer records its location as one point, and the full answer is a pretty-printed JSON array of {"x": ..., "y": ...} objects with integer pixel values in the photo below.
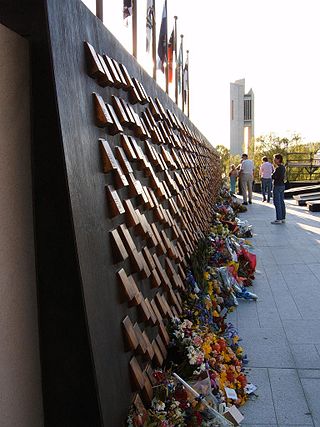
[{"x": 231, "y": 394}]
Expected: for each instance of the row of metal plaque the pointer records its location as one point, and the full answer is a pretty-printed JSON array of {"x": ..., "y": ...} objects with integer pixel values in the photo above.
[{"x": 161, "y": 180}]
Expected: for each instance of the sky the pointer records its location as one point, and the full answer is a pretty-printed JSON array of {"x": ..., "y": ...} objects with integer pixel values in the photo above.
[{"x": 273, "y": 44}]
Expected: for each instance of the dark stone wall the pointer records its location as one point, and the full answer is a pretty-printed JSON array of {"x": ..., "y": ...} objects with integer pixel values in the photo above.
[{"x": 85, "y": 364}]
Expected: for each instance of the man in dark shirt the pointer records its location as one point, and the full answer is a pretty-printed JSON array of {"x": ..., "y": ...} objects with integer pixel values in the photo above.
[{"x": 278, "y": 189}]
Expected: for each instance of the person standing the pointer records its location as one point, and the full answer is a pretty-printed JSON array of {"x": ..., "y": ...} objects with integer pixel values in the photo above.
[
  {"x": 278, "y": 177},
  {"x": 246, "y": 173},
  {"x": 266, "y": 170},
  {"x": 239, "y": 179},
  {"x": 233, "y": 179}
]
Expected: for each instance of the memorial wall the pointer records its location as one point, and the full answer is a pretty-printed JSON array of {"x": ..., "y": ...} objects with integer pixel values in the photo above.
[{"x": 123, "y": 189}]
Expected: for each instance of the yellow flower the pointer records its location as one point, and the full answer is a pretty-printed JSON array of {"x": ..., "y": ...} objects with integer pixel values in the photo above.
[
  {"x": 239, "y": 351},
  {"x": 234, "y": 264},
  {"x": 206, "y": 275},
  {"x": 206, "y": 347},
  {"x": 208, "y": 304}
]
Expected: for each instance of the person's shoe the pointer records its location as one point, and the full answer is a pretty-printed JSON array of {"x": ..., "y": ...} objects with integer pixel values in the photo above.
[
  {"x": 277, "y": 221},
  {"x": 268, "y": 201},
  {"x": 283, "y": 221},
  {"x": 245, "y": 203},
  {"x": 263, "y": 200},
  {"x": 250, "y": 202}
]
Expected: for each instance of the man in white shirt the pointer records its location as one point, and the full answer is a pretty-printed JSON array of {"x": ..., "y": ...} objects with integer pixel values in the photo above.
[{"x": 246, "y": 171}]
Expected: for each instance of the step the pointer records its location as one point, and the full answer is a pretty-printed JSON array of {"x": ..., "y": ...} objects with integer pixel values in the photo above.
[
  {"x": 301, "y": 199},
  {"x": 314, "y": 205},
  {"x": 300, "y": 190}
]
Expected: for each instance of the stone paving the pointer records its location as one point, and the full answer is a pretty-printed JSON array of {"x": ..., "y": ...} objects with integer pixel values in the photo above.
[{"x": 281, "y": 331}]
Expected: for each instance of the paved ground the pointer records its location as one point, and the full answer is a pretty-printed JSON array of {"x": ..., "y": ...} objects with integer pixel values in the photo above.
[{"x": 281, "y": 331}]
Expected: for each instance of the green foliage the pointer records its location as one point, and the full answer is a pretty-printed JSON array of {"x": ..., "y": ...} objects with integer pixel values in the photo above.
[
  {"x": 227, "y": 158},
  {"x": 271, "y": 144},
  {"x": 199, "y": 260},
  {"x": 224, "y": 153}
]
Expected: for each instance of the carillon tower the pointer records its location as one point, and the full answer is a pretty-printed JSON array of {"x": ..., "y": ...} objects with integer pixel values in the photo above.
[{"x": 241, "y": 117}]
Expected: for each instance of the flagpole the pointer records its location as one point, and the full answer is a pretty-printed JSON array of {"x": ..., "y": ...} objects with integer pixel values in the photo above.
[
  {"x": 188, "y": 84},
  {"x": 154, "y": 42},
  {"x": 167, "y": 68},
  {"x": 182, "y": 83},
  {"x": 134, "y": 28},
  {"x": 176, "y": 57},
  {"x": 99, "y": 9}
]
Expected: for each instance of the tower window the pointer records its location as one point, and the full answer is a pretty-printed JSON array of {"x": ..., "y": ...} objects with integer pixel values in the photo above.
[{"x": 247, "y": 109}]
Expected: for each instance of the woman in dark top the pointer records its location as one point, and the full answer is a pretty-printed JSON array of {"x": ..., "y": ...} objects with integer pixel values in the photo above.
[{"x": 278, "y": 189}]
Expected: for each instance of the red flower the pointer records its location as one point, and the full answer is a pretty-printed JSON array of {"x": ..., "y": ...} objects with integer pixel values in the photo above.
[
  {"x": 216, "y": 347},
  {"x": 159, "y": 376},
  {"x": 230, "y": 377},
  {"x": 198, "y": 418},
  {"x": 243, "y": 380}
]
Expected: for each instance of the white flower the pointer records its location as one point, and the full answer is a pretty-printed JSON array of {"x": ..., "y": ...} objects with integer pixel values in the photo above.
[
  {"x": 158, "y": 405},
  {"x": 186, "y": 324},
  {"x": 178, "y": 333}
]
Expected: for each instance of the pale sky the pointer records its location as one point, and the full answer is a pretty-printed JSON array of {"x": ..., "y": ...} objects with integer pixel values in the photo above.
[{"x": 273, "y": 44}]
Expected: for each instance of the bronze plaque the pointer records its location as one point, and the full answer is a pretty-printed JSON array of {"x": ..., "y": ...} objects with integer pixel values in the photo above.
[
  {"x": 129, "y": 334},
  {"x": 108, "y": 160},
  {"x": 119, "y": 253},
  {"x": 102, "y": 115},
  {"x": 136, "y": 373}
]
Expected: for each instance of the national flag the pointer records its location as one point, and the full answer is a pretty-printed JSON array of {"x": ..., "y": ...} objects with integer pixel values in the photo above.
[
  {"x": 186, "y": 79},
  {"x": 171, "y": 49},
  {"x": 179, "y": 67},
  {"x": 127, "y": 10},
  {"x": 149, "y": 24},
  {"x": 162, "y": 44}
]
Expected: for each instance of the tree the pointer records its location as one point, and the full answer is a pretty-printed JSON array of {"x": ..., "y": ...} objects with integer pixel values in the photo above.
[
  {"x": 227, "y": 159},
  {"x": 271, "y": 144},
  {"x": 224, "y": 153}
]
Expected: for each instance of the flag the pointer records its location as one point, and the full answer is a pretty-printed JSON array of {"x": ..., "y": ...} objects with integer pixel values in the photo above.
[
  {"x": 179, "y": 67},
  {"x": 162, "y": 44},
  {"x": 186, "y": 79},
  {"x": 171, "y": 49},
  {"x": 127, "y": 10},
  {"x": 149, "y": 24}
]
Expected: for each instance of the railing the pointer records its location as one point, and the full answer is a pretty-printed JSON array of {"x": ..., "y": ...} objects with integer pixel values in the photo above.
[{"x": 303, "y": 165}]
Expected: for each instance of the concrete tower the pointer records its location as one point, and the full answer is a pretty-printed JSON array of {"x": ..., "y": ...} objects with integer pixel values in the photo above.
[{"x": 241, "y": 117}]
